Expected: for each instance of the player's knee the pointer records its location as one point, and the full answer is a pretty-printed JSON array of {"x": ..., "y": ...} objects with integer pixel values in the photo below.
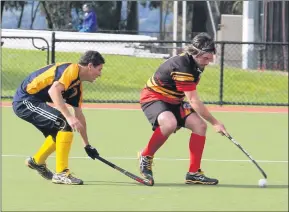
[
  {"x": 201, "y": 128},
  {"x": 169, "y": 126},
  {"x": 167, "y": 122}
]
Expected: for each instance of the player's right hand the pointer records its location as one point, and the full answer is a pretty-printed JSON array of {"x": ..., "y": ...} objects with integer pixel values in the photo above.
[
  {"x": 75, "y": 124},
  {"x": 91, "y": 151},
  {"x": 220, "y": 128}
]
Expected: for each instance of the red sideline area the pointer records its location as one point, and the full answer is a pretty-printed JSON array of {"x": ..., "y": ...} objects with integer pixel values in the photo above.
[{"x": 210, "y": 107}]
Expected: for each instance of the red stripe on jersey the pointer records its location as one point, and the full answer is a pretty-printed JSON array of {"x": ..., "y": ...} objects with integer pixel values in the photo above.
[
  {"x": 186, "y": 86},
  {"x": 148, "y": 95}
]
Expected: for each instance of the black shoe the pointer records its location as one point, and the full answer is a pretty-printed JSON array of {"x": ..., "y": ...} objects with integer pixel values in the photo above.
[
  {"x": 41, "y": 169},
  {"x": 146, "y": 166},
  {"x": 200, "y": 178},
  {"x": 66, "y": 178}
]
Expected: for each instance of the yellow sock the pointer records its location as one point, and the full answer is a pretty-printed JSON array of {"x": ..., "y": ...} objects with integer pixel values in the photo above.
[
  {"x": 45, "y": 150},
  {"x": 63, "y": 145}
]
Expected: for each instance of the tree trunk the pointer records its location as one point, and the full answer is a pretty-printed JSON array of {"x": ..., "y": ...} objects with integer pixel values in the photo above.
[
  {"x": 199, "y": 19},
  {"x": 48, "y": 17},
  {"x": 132, "y": 17},
  {"x": 161, "y": 21},
  {"x": 20, "y": 17},
  {"x": 117, "y": 17},
  {"x": 2, "y": 9},
  {"x": 165, "y": 19},
  {"x": 34, "y": 15}
]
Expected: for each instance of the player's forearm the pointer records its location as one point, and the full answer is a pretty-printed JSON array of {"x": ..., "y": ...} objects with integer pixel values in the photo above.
[
  {"x": 202, "y": 110},
  {"x": 83, "y": 132},
  {"x": 59, "y": 103}
]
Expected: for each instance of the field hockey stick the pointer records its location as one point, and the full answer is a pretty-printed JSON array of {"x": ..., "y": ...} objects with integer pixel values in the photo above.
[
  {"x": 146, "y": 182},
  {"x": 249, "y": 156}
]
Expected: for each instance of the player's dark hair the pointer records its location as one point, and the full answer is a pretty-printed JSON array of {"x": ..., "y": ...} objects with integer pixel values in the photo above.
[
  {"x": 201, "y": 43},
  {"x": 93, "y": 57}
]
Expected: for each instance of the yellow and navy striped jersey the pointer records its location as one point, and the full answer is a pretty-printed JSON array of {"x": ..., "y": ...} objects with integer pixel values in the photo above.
[
  {"x": 37, "y": 84},
  {"x": 176, "y": 75}
]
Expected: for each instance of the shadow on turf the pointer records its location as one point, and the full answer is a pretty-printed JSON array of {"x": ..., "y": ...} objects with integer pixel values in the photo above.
[
  {"x": 219, "y": 186},
  {"x": 114, "y": 183},
  {"x": 88, "y": 182}
]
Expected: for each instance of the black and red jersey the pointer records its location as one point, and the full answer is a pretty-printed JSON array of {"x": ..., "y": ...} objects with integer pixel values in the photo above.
[{"x": 176, "y": 75}]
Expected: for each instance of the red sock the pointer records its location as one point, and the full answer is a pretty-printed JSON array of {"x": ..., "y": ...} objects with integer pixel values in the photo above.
[
  {"x": 197, "y": 143},
  {"x": 156, "y": 141}
]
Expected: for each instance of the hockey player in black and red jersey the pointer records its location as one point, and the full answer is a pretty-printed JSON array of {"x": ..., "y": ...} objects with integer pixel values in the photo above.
[{"x": 162, "y": 101}]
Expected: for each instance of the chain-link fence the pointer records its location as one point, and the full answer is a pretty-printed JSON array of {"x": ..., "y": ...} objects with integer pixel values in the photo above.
[
  {"x": 242, "y": 73},
  {"x": 253, "y": 73},
  {"x": 20, "y": 56}
]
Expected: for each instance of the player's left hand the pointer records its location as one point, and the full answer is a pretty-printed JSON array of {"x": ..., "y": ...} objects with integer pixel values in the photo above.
[{"x": 91, "y": 151}]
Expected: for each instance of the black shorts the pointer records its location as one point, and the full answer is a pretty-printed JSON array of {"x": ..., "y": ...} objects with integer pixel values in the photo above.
[
  {"x": 44, "y": 117},
  {"x": 153, "y": 109}
]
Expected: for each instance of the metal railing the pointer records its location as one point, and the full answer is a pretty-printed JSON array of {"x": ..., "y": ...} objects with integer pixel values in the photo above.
[{"x": 242, "y": 74}]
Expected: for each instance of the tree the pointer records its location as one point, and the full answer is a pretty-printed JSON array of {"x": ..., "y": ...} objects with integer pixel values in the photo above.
[
  {"x": 47, "y": 15},
  {"x": 200, "y": 17},
  {"x": 14, "y": 5},
  {"x": 165, "y": 8},
  {"x": 22, "y": 4},
  {"x": 33, "y": 13},
  {"x": 231, "y": 7},
  {"x": 132, "y": 17},
  {"x": 2, "y": 8}
]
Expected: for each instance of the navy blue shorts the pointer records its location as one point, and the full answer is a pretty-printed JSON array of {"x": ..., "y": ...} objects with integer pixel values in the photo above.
[
  {"x": 153, "y": 109},
  {"x": 44, "y": 117}
]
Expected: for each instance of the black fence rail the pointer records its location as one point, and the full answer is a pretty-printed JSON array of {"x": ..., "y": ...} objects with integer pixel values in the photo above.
[{"x": 242, "y": 73}]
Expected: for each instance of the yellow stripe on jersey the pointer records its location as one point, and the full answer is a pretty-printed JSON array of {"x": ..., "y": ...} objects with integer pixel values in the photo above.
[
  {"x": 181, "y": 73},
  {"x": 179, "y": 76},
  {"x": 40, "y": 82},
  {"x": 183, "y": 78},
  {"x": 69, "y": 75},
  {"x": 165, "y": 92}
]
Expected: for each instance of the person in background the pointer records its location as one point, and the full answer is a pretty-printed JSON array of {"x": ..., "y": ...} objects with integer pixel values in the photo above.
[{"x": 89, "y": 23}]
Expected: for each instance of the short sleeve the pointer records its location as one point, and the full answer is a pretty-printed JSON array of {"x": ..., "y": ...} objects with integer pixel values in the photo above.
[{"x": 69, "y": 75}]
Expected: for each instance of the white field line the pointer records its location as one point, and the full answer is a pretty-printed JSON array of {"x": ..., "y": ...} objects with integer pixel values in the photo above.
[
  {"x": 132, "y": 109},
  {"x": 164, "y": 159}
]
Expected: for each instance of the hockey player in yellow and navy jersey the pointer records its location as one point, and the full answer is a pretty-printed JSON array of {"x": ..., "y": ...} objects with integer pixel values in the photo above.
[{"x": 58, "y": 83}]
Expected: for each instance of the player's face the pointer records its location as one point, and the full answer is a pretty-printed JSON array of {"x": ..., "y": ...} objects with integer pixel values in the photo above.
[
  {"x": 204, "y": 59},
  {"x": 94, "y": 72}
]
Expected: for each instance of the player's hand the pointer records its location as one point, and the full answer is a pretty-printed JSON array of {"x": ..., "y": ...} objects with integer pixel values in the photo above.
[
  {"x": 91, "y": 151},
  {"x": 220, "y": 128},
  {"x": 75, "y": 124}
]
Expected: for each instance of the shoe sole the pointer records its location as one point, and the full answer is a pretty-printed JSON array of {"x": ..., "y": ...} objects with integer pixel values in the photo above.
[
  {"x": 200, "y": 182},
  {"x": 60, "y": 182}
]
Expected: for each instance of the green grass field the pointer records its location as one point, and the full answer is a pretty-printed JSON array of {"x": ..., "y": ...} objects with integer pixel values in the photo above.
[
  {"x": 119, "y": 134},
  {"x": 124, "y": 77}
]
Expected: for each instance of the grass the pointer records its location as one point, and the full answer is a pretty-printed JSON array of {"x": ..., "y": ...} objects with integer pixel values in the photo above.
[
  {"x": 106, "y": 189},
  {"x": 124, "y": 77}
]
